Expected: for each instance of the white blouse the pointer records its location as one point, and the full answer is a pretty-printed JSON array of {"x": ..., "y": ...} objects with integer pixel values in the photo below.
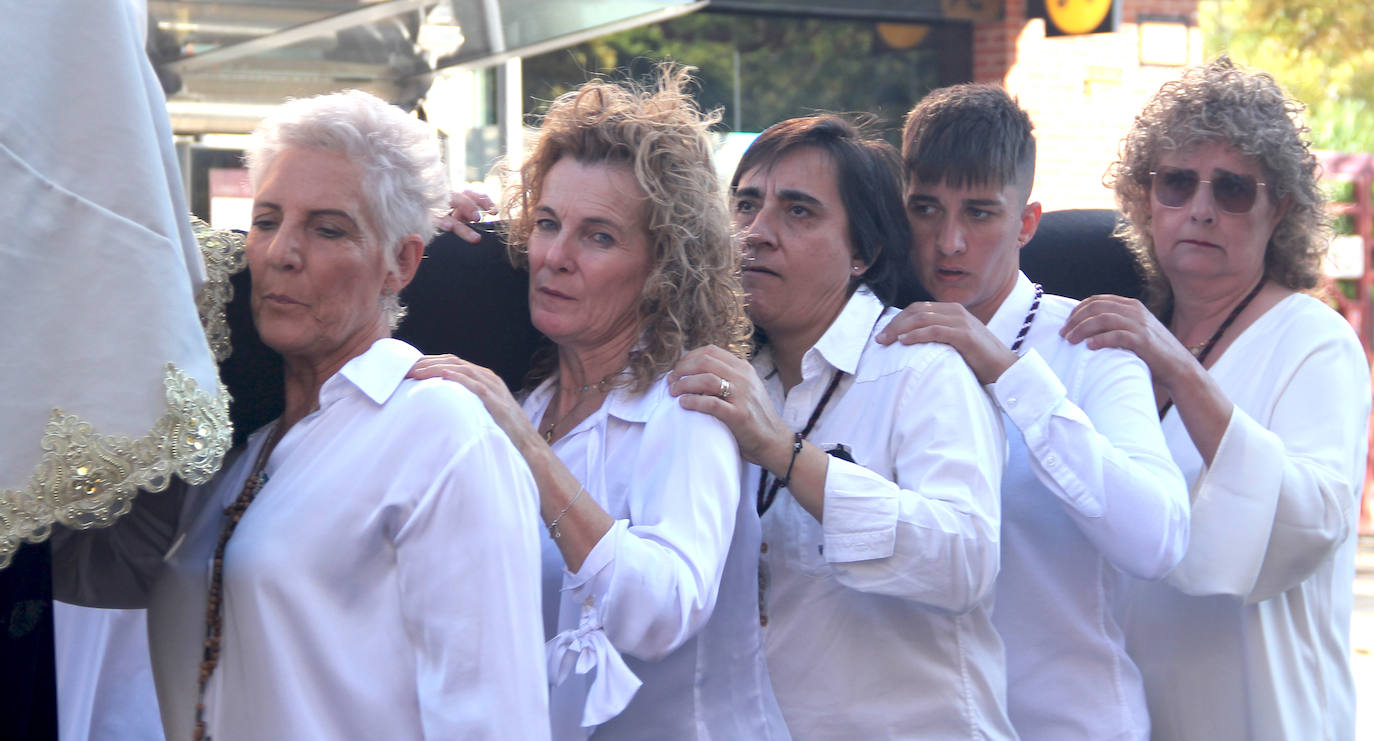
[
  {"x": 877, "y": 622},
  {"x": 383, "y": 584},
  {"x": 1250, "y": 637},
  {"x": 673, "y": 586},
  {"x": 1090, "y": 492}
]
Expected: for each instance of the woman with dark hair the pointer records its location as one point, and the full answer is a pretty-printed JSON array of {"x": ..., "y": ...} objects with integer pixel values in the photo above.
[
  {"x": 1264, "y": 397},
  {"x": 876, "y": 469}
]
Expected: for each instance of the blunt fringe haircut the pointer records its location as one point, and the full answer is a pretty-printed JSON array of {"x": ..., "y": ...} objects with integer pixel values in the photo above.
[{"x": 969, "y": 135}]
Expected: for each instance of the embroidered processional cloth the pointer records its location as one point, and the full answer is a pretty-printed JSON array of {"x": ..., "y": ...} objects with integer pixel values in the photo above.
[{"x": 107, "y": 382}]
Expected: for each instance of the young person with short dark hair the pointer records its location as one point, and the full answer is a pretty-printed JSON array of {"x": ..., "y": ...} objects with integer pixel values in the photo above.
[{"x": 1090, "y": 490}]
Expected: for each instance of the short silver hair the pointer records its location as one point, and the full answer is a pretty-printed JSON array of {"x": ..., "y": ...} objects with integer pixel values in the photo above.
[{"x": 404, "y": 182}]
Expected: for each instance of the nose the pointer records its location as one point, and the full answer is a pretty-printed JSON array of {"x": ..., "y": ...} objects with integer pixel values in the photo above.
[
  {"x": 1202, "y": 206},
  {"x": 558, "y": 252},
  {"x": 283, "y": 248},
  {"x": 950, "y": 240},
  {"x": 758, "y": 232}
]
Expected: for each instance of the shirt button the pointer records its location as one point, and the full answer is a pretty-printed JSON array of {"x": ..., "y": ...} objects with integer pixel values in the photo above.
[
  {"x": 1011, "y": 402},
  {"x": 763, "y": 621},
  {"x": 1051, "y": 460},
  {"x": 763, "y": 548}
]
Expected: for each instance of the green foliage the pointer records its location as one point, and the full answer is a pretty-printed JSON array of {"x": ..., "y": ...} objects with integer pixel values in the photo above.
[
  {"x": 785, "y": 67},
  {"x": 1318, "y": 49}
]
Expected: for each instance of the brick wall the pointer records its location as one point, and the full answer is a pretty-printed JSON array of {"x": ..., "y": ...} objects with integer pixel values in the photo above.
[{"x": 1081, "y": 91}]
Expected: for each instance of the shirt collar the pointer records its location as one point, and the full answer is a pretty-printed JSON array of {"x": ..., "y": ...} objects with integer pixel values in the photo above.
[
  {"x": 1007, "y": 321},
  {"x": 844, "y": 341},
  {"x": 377, "y": 373}
]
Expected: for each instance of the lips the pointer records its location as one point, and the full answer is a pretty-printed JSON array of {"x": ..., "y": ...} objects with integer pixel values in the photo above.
[
  {"x": 949, "y": 274},
  {"x": 551, "y": 293},
  {"x": 281, "y": 299},
  {"x": 758, "y": 269}
]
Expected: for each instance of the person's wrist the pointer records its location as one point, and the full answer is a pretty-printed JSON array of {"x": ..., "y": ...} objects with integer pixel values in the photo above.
[{"x": 786, "y": 459}]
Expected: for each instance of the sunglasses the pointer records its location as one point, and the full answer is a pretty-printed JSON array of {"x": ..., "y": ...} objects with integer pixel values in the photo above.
[{"x": 1232, "y": 192}]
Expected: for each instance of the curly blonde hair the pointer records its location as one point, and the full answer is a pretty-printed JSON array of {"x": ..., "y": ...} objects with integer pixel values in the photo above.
[
  {"x": 1246, "y": 110},
  {"x": 693, "y": 294}
]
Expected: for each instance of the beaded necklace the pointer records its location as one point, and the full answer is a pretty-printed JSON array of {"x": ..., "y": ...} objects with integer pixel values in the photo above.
[
  {"x": 1030, "y": 318},
  {"x": 214, "y": 624}
]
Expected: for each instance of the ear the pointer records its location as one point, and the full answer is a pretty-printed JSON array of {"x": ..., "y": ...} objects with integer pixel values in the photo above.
[
  {"x": 1280, "y": 212},
  {"x": 857, "y": 268},
  {"x": 1030, "y": 221},
  {"x": 408, "y": 258}
]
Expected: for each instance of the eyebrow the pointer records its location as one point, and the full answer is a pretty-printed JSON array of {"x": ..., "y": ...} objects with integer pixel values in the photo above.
[
  {"x": 588, "y": 220},
  {"x": 978, "y": 202},
  {"x": 791, "y": 195},
  {"x": 313, "y": 214},
  {"x": 801, "y": 196}
]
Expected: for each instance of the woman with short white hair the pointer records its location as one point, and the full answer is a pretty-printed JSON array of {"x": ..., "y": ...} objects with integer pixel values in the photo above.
[{"x": 365, "y": 566}]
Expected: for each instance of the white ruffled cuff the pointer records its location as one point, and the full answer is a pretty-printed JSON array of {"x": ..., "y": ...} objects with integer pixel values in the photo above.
[{"x": 584, "y": 648}]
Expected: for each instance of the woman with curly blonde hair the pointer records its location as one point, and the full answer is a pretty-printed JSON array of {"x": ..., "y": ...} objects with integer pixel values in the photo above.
[
  {"x": 649, "y": 550},
  {"x": 1264, "y": 398}
]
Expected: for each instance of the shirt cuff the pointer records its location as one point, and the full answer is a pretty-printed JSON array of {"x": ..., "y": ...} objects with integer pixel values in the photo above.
[
  {"x": 859, "y": 517},
  {"x": 1028, "y": 390},
  {"x": 598, "y": 558}
]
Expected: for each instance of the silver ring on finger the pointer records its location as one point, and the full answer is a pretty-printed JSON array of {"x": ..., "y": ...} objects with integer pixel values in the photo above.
[{"x": 724, "y": 389}]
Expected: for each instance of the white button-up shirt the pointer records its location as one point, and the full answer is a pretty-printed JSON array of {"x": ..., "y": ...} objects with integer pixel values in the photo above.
[
  {"x": 672, "y": 585},
  {"x": 383, "y": 584},
  {"x": 877, "y": 622},
  {"x": 1262, "y": 652},
  {"x": 1090, "y": 489}
]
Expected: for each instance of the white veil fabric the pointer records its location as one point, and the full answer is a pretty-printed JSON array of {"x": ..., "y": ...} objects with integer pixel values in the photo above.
[{"x": 107, "y": 382}]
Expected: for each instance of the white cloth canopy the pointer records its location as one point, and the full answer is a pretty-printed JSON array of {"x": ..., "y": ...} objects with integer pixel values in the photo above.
[{"x": 109, "y": 384}]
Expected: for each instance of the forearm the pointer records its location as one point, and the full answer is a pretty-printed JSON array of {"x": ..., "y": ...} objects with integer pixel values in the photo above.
[
  {"x": 1201, "y": 404},
  {"x": 574, "y": 516},
  {"x": 804, "y": 471}
]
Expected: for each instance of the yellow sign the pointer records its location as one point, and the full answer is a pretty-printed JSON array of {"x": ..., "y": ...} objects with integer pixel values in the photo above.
[{"x": 1077, "y": 16}]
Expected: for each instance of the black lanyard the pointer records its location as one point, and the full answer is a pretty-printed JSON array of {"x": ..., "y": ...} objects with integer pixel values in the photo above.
[
  {"x": 1216, "y": 336},
  {"x": 768, "y": 493}
]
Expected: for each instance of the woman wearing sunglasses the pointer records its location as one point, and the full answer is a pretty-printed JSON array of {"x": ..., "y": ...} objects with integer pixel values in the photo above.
[{"x": 1264, "y": 398}]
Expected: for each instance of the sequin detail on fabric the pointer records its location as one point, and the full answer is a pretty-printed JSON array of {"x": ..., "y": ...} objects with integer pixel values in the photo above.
[
  {"x": 85, "y": 479},
  {"x": 224, "y": 256}
]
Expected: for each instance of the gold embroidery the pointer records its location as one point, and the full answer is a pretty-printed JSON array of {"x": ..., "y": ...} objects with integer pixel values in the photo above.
[
  {"x": 223, "y": 253},
  {"x": 86, "y": 479}
]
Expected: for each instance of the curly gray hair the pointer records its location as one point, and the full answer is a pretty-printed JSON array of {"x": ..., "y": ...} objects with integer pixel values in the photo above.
[{"x": 1248, "y": 111}]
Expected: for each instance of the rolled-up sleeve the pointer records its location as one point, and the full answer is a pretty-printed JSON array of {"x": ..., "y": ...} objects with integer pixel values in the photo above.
[
  {"x": 1279, "y": 499},
  {"x": 467, "y": 559},
  {"x": 930, "y": 535},
  {"x": 1104, "y": 458},
  {"x": 654, "y": 577}
]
